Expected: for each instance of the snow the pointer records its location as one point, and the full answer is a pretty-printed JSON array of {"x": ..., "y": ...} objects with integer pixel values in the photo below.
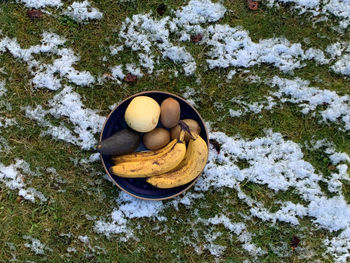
[
  {"x": 68, "y": 104},
  {"x": 339, "y": 157},
  {"x": 41, "y": 3},
  {"x": 309, "y": 98},
  {"x": 12, "y": 177},
  {"x": 199, "y": 12},
  {"x": 232, "y": 47},
  {"x": 117, "y": 73},
  {"x": 255, "y": 107},
  {"x": 281, "y": 168},
  {"x": 323, "y": 8},
  {"x": 332, "y": 214},
  {"x": 44, "y": 74},
  {"x": 129, "y": 207},
  {"x": 342, "y": 66},
  {"x": 3, "y": 89},
  {"x": 272, "y": 161},
  {"x": 82, "y": 11},
  {"x": 84, "y": 239},
  {"x": 36, "y": 246}
]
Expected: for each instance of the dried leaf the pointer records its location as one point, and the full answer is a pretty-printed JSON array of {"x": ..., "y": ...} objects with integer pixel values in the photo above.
[
  {"x": 295, "y": 242},
  {"x": 130, "y": 78},
  {"x": 216, "y": 145},
  {"x": 331, "y": 167},
  {"x": 19, "y": 199},
  {"x": 161, "y": 9},
  {"x": 253, "y": 5},
  {"x": 196, "y": 38},
  {"x": 34, "y": 14}
]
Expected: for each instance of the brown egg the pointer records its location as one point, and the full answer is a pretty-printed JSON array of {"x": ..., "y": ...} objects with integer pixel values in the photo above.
[
  {"x": 169, "y": 112},
  {"x": 192, "y": 124},
  {"x": 156, "y": 139}
]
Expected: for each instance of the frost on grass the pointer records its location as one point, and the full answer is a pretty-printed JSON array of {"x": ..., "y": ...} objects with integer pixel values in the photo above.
[
  {"x": 67, "y": 104},
  {"x": 16, "y": 177},
  {"x": 45, "y": 74},
  {"x": 35, "y": 245},
  {"x": 82, "y": 11}
]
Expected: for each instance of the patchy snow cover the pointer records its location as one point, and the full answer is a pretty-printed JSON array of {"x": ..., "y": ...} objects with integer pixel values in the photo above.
[
  {"x": 309, "y": 98},
  {"x": 325, "y": 8},
  {"x": 239, "y": 229},
  {"x": 255, "y": 107},
  {"x": 143, "y": 34},
  {"x": 273, "y": 162},
  {"x": 199, "y": 12},
  {"x": 12, "y": 177},
  {"x": 67, "y": 104},
  {"x": 41, "y": 3},
  {"x": 44, "y": 74},
  {"x": 128, "y": 207},
  {"x": 3, "y": 89},
  {"x": 342, "y": 66},
  {"x": 278, "y": 164},
  {"x": 36, "y": 246},
  {"x": 230, "y": 46},
  {"x": 82, "y": 11}
]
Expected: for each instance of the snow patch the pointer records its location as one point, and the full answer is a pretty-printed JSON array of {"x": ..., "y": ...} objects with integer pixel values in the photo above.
[
  {"x": 128, "y": 208},
  {"x": 13, "y": 177},
  {"x": 41, "y": 3},
  {"x": 36, "y": 246},
  {"x": 309, "y": 98},
  {"x": 82, "y": 11},
  {"x": 45, "y": 74},
  {"x": 67, "y": 104}
]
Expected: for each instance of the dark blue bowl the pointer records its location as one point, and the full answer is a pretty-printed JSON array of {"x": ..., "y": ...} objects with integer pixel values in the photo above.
[{"x": 138, "y": 187}]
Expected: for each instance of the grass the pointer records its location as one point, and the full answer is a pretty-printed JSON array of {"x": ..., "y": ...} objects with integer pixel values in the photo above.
[{"x": 87, "y": 194}]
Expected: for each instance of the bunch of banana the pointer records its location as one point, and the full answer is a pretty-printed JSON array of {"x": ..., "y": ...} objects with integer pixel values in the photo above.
[
  {"x": 147, "y": 164},
  {"x": 191, "y": 166}
]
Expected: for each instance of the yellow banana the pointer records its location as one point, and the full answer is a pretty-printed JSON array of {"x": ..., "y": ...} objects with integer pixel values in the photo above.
[
  {"x": 192, "y": 165},
  {"x": 153, "y": 166},
  {"x": 143, "y": 156}
]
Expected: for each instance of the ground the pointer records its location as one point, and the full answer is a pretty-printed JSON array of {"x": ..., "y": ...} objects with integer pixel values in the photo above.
[{"x": 271, "y": 84}]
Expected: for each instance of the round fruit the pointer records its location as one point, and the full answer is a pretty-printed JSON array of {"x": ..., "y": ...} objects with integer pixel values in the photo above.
[
  {"x": 192, "y": 124},
  {"x": 122, "y": 142},
  {"x": 156, "y": 139},
  {"x": 169, "y": 113},
  {"x": 142, "y": 114}
]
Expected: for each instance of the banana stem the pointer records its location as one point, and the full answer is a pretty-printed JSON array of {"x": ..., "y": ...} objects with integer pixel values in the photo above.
[{"x": 185, "y": 127}]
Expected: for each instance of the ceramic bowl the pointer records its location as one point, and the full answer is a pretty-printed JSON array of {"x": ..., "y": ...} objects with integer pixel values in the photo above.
[{"x": 138, "y": 187}]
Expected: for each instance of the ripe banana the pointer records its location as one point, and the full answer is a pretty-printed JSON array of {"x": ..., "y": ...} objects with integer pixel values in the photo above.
[
  {"x": 192, "y": 165},
  {"x": 163, "y": 163},
  {"x": 143, "y": 156}
]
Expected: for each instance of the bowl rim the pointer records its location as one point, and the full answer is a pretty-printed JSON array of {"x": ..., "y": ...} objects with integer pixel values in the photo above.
[{"x": 140, "y": 94}]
